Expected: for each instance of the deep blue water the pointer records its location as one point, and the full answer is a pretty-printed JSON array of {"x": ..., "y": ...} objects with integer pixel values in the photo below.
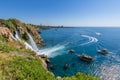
[{"x": 59, "y": 40}]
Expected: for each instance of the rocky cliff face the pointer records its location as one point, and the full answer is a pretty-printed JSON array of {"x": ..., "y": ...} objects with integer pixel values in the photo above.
[
  {"x": 5, "y": 32},
  {"x": 8, "y": 30},
  {"x": 34, "y": 32},
  {"x": 10, "y": 26}
]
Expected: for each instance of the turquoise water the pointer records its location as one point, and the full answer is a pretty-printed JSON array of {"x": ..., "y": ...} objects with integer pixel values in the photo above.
[{"x": 60, "y": 40}]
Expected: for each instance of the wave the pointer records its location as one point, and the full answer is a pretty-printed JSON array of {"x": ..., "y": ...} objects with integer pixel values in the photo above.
[
  {"x": 109, "y": 72},
  {"x": 97, "y": 33},
  {"x": 52, "y": 51},
  {"x": 91, "y": 39}
]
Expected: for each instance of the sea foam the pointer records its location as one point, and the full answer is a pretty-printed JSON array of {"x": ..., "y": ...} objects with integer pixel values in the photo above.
[
  {"x": 51, "y": 52},
  {"x": 91, "y": 39}
]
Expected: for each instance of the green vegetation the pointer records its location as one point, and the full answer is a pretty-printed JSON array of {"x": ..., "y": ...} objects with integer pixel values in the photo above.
[
  {"x": 24, "y": 68},
  {"x": 15, "y": 22},
  {"x": 2, "y": 39},
  {"x": 80, "y": 76},
  {"x": 2, "y": 21},
  {"x": 10, "y": 24},
  {"x": 5, "y": 47},
  {"x": 19, "y": 63},
  {"x": 14, "y": 67}
]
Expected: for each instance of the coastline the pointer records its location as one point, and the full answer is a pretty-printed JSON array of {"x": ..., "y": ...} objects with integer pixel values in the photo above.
[{"x": 13, "y": 36}]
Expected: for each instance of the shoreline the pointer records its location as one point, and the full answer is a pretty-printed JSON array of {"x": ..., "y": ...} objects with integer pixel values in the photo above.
[{"x": 13, "y": 36}]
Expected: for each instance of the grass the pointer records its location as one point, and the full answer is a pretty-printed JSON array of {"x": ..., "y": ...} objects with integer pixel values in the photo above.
[
  {"x": 80, "y": 76},
  {"x": 5, "y": 46},
  {"x": 2, "y": 39},
  {"x": 24, "y": 68}
]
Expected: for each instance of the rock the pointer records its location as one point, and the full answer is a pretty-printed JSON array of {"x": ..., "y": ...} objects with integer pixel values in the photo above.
[
  {"x": 43, "y": 44},
  {"x": 21, "y": 30},
  {"x": 47, "y": 60},
  {"x": 42, "y": 40},
  {"x": 5, "y": 32},
  {"x": 51, "y": 67},
  {"x": 71, "y": 51},
  {"x": 73, "y": 64},
  {"x": 43, "y": 63},
  {"x": 43, "y": 56},
  {"x": 39, "y": 32},
  {"x": 58, "y": 77},
  {"x": 66, "y": 66}
]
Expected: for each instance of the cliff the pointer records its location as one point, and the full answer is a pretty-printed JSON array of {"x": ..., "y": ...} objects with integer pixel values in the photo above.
[
  {"x": 18, "y": 54},
  {"x": 6, "y": 33}
]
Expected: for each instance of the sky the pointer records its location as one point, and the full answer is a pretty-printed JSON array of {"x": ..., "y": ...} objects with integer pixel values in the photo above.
[{"x": 63, "y": 12}]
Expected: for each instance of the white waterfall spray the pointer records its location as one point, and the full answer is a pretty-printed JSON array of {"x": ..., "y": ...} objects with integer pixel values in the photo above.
[{"x": 51, "y": 52}]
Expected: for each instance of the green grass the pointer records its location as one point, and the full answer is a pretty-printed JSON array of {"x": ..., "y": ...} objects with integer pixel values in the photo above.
[
  {"x": 5, "y": 47},
  {"x": 2, "y": 39},
  {"x": 25, "y": 68},
  {"x": 80, "y": 76}
]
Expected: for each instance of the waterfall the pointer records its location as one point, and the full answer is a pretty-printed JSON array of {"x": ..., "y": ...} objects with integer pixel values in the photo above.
[
  {"x": 50, "y": 52},
  {"x": 13, "y": 36},
  {"x": 28, "y": 46},
  {"x": 18, "y": 38},
  {"x": 33, "y": 44},
  {"x": 17, "y": 35}
]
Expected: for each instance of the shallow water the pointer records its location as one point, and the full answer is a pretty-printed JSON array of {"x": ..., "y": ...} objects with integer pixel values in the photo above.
[{"x": 83, "y": 40}]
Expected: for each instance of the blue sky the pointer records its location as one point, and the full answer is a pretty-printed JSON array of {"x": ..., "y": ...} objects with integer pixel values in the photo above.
[{"x": 63, "y": 12}]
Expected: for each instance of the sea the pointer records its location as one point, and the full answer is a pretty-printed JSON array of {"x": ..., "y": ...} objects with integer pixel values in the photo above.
[{"x": 83, "y": 40}]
